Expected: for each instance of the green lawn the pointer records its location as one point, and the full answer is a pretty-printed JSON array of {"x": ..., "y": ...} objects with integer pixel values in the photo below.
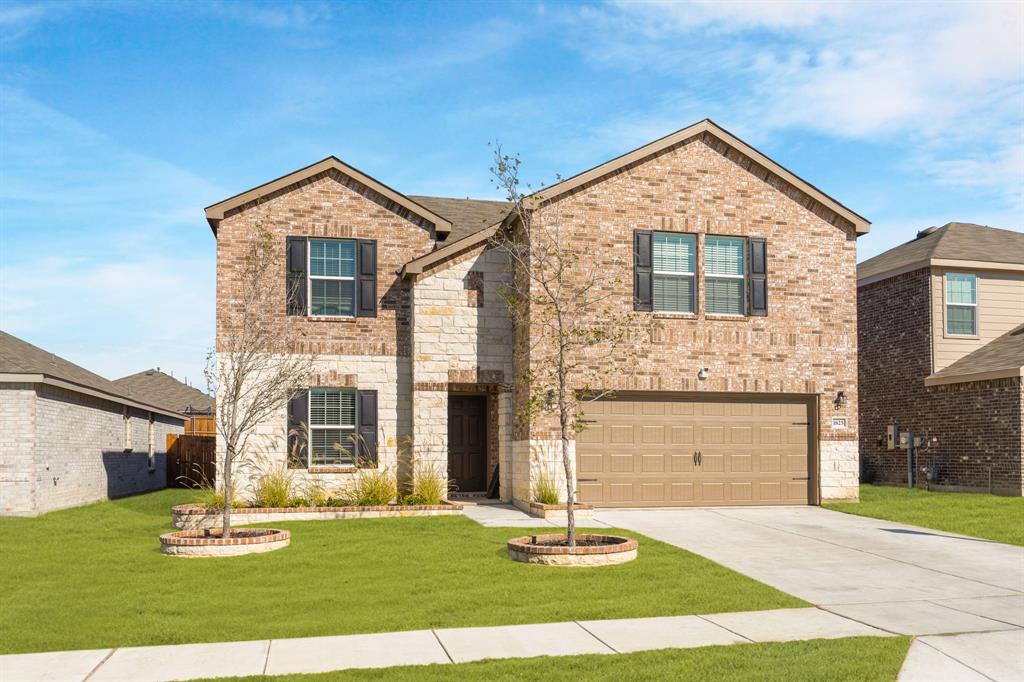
[
  {"x": 983, "y": 516},
  {"x": 94, "y": 577},
  {"x": 865, "y": 659}
]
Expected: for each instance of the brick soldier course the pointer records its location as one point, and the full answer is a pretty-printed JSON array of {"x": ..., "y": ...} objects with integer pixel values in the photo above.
[{"x": 440, "y": 327}]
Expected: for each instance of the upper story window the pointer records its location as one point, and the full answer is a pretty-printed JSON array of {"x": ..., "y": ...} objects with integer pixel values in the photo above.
[
  {"x": 961, "y": 304},
  {"x": 332, "y": 427},
  {"x": 332, "y": 271},
  {"x": 724, "y": 275},
  {"x": 674, "y": 261}
]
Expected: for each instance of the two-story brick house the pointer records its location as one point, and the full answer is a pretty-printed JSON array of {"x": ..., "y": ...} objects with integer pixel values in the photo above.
[
  {"x": 747, "y": 394},
  {"x": 942, "y": 354}
]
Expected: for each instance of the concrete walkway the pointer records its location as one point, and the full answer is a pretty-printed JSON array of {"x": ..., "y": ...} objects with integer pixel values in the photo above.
[
  {"x": 420, "y": 647},
  {"x": 963, "y": 596}
]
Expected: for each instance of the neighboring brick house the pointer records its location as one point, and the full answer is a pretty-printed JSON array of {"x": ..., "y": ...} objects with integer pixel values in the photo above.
[
  {"x": 941, "y": 339},
  {"x": 70, "y": 437},
  {"x": 747, "y": 394}
]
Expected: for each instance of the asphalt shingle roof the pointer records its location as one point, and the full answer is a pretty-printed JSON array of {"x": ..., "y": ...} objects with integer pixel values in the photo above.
[
  {"x": 21, "y": 357},
  {"x": 160, "y": 388},
  {"x": 1003, "y": 352},
  {"x": 956, "y": 241},
  {"x": 467, "y": 215}
]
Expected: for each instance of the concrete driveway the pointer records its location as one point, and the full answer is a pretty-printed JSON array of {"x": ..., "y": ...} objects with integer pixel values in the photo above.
[{"x": 964, "y": 596}]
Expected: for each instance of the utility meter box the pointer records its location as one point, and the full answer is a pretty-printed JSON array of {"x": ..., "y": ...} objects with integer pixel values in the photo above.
[{"x": 891, "y": 436}]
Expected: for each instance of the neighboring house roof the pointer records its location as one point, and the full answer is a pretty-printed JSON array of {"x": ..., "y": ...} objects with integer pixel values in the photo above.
[
  {"x": 466, "y": 215},
  {"x": 215, "y": 212},
  {"x": 953, "y": 244},
  {"x": 21, "y": 362},
  {"x": 161, "y": 388},
  {"x": 999, "y": 358}
]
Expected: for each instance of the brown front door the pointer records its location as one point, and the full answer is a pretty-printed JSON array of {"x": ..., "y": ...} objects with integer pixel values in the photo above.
[
  {"x": 467, "y": 442},
  {"x": 695, "y": 451}
]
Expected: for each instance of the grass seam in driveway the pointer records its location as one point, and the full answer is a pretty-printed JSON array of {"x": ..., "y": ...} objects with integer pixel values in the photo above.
[{"x": 93, "y": 577}]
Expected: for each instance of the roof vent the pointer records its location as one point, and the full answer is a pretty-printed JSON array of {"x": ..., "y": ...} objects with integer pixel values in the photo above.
[{"x": 926, "y": 231}]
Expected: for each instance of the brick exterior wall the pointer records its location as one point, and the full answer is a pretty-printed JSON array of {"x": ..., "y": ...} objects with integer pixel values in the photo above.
[
  {"x": 73, "y": 450},
  {"x": 807, "y": 344},
  {"x": 448, "y": 330},
  {"x": 977, "y": 424}
]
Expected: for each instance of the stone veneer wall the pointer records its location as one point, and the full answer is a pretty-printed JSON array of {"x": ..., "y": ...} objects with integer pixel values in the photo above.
[
  {"x": 807, "y": 344},
  {"x": 977, "y": 424},
  {"x": 388, "y": 375},
  {"x": 461, "y": 340},
  {"x": 77, "y": 449}
]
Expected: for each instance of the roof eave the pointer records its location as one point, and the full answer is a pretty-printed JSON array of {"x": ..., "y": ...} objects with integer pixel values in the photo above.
[
  {"x": 417, "y": 265},
  {"x": 215, "y": 212},
  {"x": 941, "y": 263},
  {"x": 861, "y": 224},
  {"x": 39, "y": 378},
  {"x": 1005, "y": 373}
]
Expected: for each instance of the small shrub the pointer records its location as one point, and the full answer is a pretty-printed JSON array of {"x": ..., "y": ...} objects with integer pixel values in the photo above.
[
  {"x": 314, "y": 493},
  {"x": 213, "y": 499},
  {"x": 412, "y": 500},
  {"x": 273, "y": 488},
  {"x": 429, "y": 484},
  {"x": 373, "y": 488},
  {"x": 546, "y": 491}
]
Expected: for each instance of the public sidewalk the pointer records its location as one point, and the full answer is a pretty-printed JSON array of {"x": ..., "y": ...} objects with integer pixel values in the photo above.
[{"x": 421, "y": 647}]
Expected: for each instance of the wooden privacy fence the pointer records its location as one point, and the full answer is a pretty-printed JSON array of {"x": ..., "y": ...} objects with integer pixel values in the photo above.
[
  {"x": 199, "y": 425},
  {"x": 191, "y": 461}
]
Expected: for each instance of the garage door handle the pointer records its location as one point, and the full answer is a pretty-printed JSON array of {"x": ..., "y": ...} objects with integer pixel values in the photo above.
[
  {"x": 586, "y": 480},
  {"x": 800, "y": 478}
]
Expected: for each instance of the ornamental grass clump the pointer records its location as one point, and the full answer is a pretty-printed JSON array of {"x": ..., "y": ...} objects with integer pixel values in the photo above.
[
  {"x": 274, "y": 488},
  {"x": 373, "y": 488},
  {"x": 546, "y": 491}
]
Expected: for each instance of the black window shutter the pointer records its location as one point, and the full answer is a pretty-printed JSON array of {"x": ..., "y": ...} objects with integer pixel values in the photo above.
[
  {"x": 298, "y": 430},
  {"x": 296, "y": 294},
  {"x": 757, "y": 276},
  {"x": 367, "y": 428},
  {"x": 643, "y": 283},
  {"x": 366, "y": 281}
]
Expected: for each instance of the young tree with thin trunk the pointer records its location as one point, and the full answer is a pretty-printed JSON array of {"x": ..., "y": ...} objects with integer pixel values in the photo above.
[
  {"x": 257, "y": 366},
  {"x": 566, "y": 307}
]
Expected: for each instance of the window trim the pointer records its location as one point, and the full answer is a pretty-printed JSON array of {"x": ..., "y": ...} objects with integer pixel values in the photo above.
[
  {"x": 742, "y": 278},
  {"x": 310, "y": 426},
  {"x": 693, "y": 275},
  {"x": 310, "y": 277},
  {"x": 976, "y": 334}
]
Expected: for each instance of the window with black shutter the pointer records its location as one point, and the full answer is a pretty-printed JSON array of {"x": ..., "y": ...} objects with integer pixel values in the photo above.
[
  {"x": 366, "y": 292},
  {"x": 295, "y": 248},
  {"x": 642, "y": 274},
  {"x": 298, "y": 430},
  {"x": 757, "y": 276}
]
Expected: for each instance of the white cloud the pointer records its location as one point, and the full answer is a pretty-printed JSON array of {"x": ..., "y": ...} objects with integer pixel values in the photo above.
[
  {"x": 945, "y": 80},
  {"x": 105, "y": 258}
]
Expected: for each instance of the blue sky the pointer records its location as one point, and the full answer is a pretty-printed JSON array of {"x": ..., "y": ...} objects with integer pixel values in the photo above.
[{"x": 120, "y": 121}]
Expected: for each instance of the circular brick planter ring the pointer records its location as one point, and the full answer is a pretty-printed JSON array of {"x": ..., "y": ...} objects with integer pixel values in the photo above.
[
  {"x": 193, "y": 543},
  {"x": 590, "y": 550}
]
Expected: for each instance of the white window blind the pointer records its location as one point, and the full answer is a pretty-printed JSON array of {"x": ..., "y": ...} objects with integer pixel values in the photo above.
[
  {"x": 725, "y": 275},
  {"x": 332, "y": 426},
  {"x": 674, "y": 260}
]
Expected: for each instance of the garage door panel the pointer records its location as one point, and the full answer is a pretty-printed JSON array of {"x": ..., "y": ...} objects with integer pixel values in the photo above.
[
  {"x": 640, "y": 452},
  {"x": 652, "y": 464}
]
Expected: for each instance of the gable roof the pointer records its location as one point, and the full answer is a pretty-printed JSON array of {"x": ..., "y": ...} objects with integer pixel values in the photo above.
[
  {"x": 20, "y": 361},
  {"x": 952, "y": 244},
  {"x": 1000, "y": 357},
  {"x": 466, "y": 215},
  {"x": 160, "y": 388},
  {"x": 861, "y": 224},
  {"x": 215, "y": 212}
]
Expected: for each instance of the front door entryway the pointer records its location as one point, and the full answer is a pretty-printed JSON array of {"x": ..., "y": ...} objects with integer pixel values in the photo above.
[{"x": 467, "y": 442}]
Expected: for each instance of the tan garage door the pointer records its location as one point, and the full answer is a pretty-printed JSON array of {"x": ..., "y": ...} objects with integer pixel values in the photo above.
[{"x": 658, "y": 452}]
